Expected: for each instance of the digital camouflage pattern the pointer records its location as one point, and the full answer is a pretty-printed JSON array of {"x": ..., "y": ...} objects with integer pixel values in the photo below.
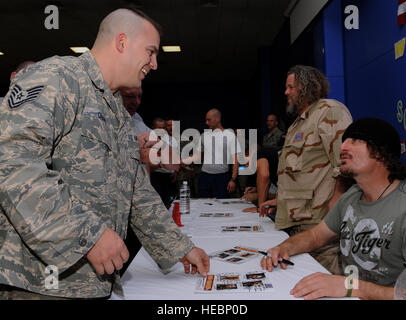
[
  {"x": 272, "y": 139},
  {"x": 309, "y": 163},
  {"x": 69, "y": 167}
]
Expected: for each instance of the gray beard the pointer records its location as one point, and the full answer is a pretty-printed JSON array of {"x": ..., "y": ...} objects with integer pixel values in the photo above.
[{"x": 291, "y": 110}]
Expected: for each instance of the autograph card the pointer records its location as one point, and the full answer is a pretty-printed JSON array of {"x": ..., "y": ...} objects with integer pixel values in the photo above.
[
  {"x": 242, "y": 228},
  {"x": 236, "y": 255},
  {"x": 216, "y": 215},
  {"x": 255, "y": 281}
]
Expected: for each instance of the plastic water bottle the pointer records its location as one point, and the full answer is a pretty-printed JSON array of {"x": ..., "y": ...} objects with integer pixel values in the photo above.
[{"x": 184, "y": 196}]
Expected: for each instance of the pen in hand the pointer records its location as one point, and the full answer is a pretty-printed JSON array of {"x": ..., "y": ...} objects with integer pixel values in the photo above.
[
  {"x": 263, "y": 213},
  {"x": 281, "y": 260}
]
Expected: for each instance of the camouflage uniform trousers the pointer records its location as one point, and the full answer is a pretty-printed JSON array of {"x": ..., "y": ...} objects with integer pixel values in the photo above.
[
  {"x": 329, "y": 255},
  {"x": 14, "y": 293}
]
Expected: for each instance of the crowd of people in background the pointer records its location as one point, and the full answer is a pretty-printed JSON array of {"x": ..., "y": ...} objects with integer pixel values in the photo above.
[
  {"x": 78, "y": 175},
  {"x": 309, "y": 180},
  {"x": 204, "y": 174}
]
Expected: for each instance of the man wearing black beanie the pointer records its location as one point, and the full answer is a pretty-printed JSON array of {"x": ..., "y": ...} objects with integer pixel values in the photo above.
[{"x": 369, "y": 219}]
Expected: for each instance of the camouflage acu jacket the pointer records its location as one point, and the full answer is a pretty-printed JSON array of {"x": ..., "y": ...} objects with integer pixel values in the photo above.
[
  {"x": 272, "y": 139},
  {"x": 69, "y": 167},
  {"x": 309, "y": 163}
]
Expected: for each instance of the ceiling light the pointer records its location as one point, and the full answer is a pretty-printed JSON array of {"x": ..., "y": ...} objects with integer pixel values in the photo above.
[
  {"x": 1, "y": 53},
  {"x": 171, "y": 48},
  {"x": 79, "y": 49}
]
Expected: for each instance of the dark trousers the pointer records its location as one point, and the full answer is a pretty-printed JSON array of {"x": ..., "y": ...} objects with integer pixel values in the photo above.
[
  {"x": 133, "y": 245},
  {"x": 164, "y": 186},
  {"x": 213, "y": 185}
]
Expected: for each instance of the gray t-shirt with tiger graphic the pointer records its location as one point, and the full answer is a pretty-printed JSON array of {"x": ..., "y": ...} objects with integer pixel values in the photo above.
[{"x": 372, "y": 234}]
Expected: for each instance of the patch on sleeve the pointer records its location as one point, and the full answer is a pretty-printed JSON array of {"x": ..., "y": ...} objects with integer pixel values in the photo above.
[
  {"x": 298, "y": 137},
  {"x": 20, "y": 96}
]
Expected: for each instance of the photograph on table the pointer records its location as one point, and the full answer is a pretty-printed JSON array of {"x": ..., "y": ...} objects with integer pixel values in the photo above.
[
  {"x": 242, "y": 228},
  {"x": 230, "y": 277},
  {"x": 256, "y": 275},
  {"x": 236, "y": 255},
  {"x": 255, "y": 281},
  {"x": 216, "y": 215}
]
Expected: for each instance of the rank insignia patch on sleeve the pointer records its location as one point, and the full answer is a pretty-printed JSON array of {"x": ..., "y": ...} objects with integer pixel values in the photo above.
[{"x": 19, "y": 96}]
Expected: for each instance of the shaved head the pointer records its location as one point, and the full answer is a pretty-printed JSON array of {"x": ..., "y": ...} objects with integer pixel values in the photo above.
[
  {"x": 126, "y": 48},
  {"x": 215, "y": 113},
  {"x": 213, "y": 119},
  {"x": 129, "y": 21}
]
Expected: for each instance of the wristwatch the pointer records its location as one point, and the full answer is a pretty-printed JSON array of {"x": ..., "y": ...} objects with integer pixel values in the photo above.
[{"x": 233, "y": 179}]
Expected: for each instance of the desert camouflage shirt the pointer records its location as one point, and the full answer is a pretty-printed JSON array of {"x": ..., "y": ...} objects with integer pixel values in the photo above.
[
  {"x": 309, "y": 163},
  {"x": 69, "y": 168}
]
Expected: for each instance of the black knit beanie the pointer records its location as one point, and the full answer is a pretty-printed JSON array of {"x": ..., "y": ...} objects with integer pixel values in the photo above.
[{"x": 376, "y": 131}]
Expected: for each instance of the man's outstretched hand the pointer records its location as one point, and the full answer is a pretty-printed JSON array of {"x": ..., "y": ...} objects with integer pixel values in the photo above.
[{"x": 198, "y": 260}]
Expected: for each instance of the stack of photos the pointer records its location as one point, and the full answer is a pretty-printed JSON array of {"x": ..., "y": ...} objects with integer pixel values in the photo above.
[
  {"x": 255, "y": 281},
  {"x": 216, "y": 215},
  {"x": 236, "y": 255},
  {"x": 245, "y": 228}
]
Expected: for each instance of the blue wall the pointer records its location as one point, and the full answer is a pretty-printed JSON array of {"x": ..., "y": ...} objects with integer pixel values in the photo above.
[
  {"x": 332, "y": 26},
  {"x": 360, "y": 64},
  {"x": 374, "y": 80}
]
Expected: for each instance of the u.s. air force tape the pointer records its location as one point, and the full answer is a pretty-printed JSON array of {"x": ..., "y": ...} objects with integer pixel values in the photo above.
[{"x": 19, "y": 96}]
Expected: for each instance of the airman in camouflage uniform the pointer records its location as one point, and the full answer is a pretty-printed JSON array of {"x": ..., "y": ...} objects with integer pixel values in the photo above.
[
  {"x": 309, "y": 162},
  {"x": 273, "y": 138},
  {"x": 70, "y": 176}
]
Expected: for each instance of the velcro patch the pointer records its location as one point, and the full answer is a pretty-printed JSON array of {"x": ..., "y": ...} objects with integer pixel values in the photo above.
[
  {"x": 20, "y": 96},
  {"x": 298, "y": 137}
]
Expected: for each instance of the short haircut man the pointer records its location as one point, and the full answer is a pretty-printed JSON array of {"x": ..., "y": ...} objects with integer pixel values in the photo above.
[
  {"x": 220, "y": 147},
  {"x": 215, "y": 180},
  {"x": 273, "y": 138},
  {"x": 70, "y": 174}
]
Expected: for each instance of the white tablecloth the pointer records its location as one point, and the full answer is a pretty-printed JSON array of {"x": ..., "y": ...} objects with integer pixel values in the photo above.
[{"x": 143, "y": 280}]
